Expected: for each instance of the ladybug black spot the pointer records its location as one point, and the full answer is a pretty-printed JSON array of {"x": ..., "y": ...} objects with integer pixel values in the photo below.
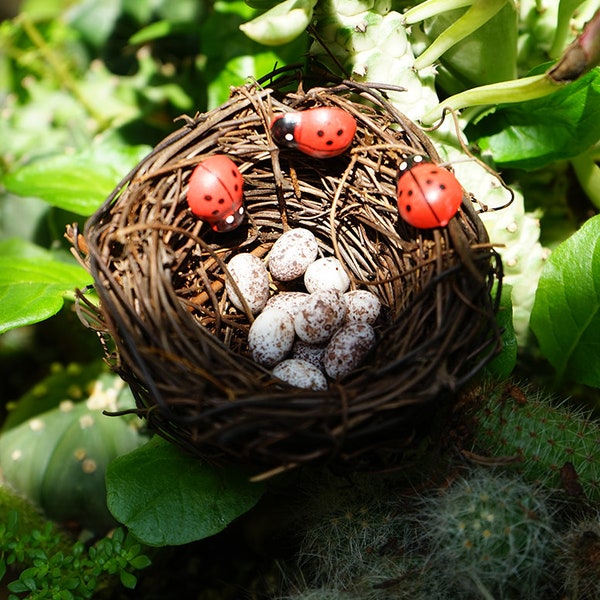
[
  {"x": 215, "y": 212},
  {"x": 442, "y": 186},
  {"x": 410, "y": 193},
  {"x": 329, "y": 142},
  {"x": 320, "y": 133},
  {"x": 408, "y": 208},
  {"x": 208, "y": 197},
  {"x": 236, "y": 187},
  {"x": 235, "y": 174},
  {"x": 340, "y": 132},
  {"x": 221, "y": 200}
]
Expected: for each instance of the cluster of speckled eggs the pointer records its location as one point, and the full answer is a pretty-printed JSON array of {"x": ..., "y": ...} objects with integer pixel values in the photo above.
[{"x": 308, "y": 336}]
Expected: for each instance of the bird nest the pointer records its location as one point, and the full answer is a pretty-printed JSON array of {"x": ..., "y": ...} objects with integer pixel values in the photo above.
[{"x": 172, "y": 333}]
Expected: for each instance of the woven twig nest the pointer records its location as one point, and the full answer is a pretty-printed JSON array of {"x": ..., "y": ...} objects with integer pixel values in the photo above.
[{"x": 172, "y": 333}]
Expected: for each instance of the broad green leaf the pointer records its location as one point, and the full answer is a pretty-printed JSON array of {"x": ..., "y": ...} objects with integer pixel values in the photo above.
[
  {"x": 78, "y": 182},
  {"x": 566, "y": 312},
  {"x": 33, "y": 284},
  {"x": 166, "y": 497},
  {"x": 529, "y": 135}
]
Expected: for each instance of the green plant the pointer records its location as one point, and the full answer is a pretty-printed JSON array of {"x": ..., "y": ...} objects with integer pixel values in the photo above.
[
  {"x": 579, "y": 558},
  {"x": 541, "y": 433},
  {"x": 86, "y": 92},
  {"x": 58, "y": 457},
  {"x": 489, "y": 536},
  {"x": 51, "y": 567}
]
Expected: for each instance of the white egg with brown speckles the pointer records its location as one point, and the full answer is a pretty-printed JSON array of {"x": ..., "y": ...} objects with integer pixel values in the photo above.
[
  {"x": 326, "y": 274},
  {"x": 252, "y": 279},
  {"x": 291, "y": 302},
  {"x": 312, "y": 353},
  {"x": 300, "y": 373},
  {"x": 292, "y": 253},
  {"x": 363, "y": 306},
  {"x": 321, "y": 316},
  {"x": 347, "y": 348},
  {"x": 271, "y": 336}
]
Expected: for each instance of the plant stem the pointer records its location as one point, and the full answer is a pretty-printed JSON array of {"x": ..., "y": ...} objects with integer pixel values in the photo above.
[
  {"x": 479, "y": 13},
  {"x": 566, "y": 9},
  {"x": 430, "y": 8},
  {"x": 517, "y": 90},
  {"x": 588, "y": 175}
]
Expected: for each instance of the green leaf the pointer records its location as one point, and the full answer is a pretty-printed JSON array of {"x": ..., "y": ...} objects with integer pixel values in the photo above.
[
  {"x": 33, "y": 284},
  {"x": 140, "y": 562},
  {"x": 566, "y": 312},
  {"x": 502, "y": 365},
  {"x": 78, "y": 182},
  {"x": 166, "y": 497},
  {"x": 529, "y": 135},
  {"x": 127, "y": 579},
  {"x": 280, "y": 24}
]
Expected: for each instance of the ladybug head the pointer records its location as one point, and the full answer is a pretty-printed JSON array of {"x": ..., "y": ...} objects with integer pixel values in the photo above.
[
  {"x": 226, "y": 221},
  {"x": 283, "y": 129},
  {"x": 411, "y": 161}
]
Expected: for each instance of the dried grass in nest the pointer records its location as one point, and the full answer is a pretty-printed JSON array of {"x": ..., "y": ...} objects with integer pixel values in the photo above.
[{"x": 173, "y": 335}]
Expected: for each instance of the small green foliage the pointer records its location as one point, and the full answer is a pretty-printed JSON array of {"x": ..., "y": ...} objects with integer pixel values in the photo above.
[{"x": 48, "y": 570}]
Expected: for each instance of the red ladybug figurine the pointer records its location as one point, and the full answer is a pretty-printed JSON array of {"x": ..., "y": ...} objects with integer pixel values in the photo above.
[
  {"x": 321, "y": 132},
  {"x": 428, "y": 195},
  {"x": 215, "y": 193}
]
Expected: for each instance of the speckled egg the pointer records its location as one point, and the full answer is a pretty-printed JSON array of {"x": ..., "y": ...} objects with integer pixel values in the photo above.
[
  {"x": 347, "y": 348},
  {"x": 292, "y": 253},
  {"x": 300, "y": 373},
  {"x": 271, "y": 336},
  {"x": 312, "y": 353},
  {"x": 288, "y": 301},
  {"x": 363, "y": 306},
  {"x": 321, "y": 316},
  {"x": 252, "y": 278},
  {"x": 326, "y": 274}
]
